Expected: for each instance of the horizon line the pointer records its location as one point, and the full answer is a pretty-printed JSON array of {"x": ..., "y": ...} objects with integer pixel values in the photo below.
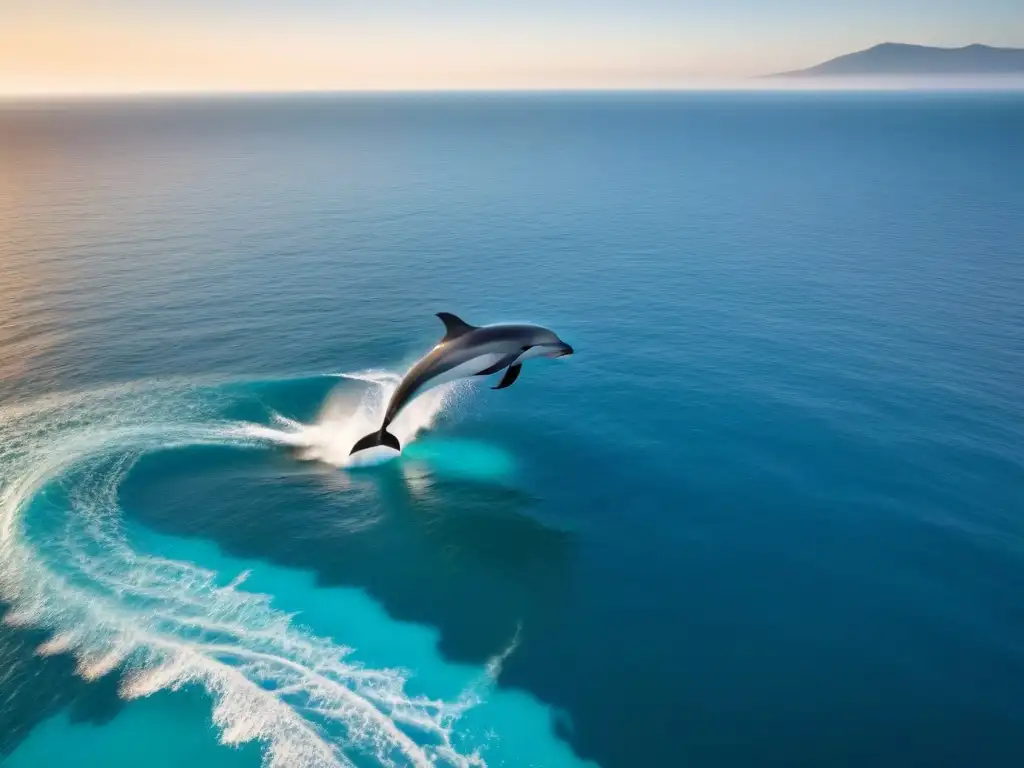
[{"x": 754, "y": 84}]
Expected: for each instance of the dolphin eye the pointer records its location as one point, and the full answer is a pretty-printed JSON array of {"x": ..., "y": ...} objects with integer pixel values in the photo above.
[{"x": 527, "y": 347}]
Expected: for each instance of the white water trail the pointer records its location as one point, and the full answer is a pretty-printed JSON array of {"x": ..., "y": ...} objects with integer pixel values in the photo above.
[
  {"x": 170, "y": 623},
  {"x": 343, "y": 421}
]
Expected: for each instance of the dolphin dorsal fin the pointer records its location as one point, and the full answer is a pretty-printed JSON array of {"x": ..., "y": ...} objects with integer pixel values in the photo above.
[{"x": 453, "y": 326}]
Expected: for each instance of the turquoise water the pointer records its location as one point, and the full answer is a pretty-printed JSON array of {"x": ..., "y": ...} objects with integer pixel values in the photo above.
[{"x": 768, "y": 514}]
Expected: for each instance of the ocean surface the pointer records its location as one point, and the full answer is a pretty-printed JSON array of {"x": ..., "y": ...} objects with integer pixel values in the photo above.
[{"x": 771, "y": 513}]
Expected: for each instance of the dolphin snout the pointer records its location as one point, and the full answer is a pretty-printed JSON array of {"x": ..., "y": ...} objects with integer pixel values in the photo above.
[{"x": 564, "y": 350}]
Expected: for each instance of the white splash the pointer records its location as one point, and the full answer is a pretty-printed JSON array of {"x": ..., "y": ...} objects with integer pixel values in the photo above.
[
  {"x": 346, "y": 418},
  {"x": 171, "y": 623}
]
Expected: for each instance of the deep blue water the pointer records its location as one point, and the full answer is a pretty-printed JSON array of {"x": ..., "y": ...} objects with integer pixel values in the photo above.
[{"x": 769, "y": 514}]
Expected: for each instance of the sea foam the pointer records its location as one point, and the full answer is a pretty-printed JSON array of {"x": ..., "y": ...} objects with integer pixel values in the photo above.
[{"x": 167, "y": 623}]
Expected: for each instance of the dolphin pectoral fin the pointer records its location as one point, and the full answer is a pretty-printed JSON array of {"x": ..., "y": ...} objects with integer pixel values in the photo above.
[
  {"x": 510, "y": 376},
  {"x": 506, "y": 361},
  {"x": 453, "y": 326}
]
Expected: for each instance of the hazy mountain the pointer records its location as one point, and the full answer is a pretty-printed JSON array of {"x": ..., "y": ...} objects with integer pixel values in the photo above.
[{"x": 899, "y": 59}]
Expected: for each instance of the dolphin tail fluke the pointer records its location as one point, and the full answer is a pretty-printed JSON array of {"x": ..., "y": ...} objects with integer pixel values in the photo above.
[{"x": 372, "y": 440}]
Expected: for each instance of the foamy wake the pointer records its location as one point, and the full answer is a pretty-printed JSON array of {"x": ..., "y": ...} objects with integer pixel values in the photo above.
[
  {"x": 343, "y": 421},
  {"x": 170, "y": 623}
]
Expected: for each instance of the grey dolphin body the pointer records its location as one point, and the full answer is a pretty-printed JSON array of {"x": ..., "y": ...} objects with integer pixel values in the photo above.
[{"x": 467, "y": 351}]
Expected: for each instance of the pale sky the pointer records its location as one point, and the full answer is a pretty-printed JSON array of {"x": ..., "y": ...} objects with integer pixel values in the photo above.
[{"x": 119, "y": 46}]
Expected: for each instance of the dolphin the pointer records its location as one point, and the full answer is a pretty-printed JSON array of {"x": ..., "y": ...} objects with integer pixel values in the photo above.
[{"x": 466, "y": 351}]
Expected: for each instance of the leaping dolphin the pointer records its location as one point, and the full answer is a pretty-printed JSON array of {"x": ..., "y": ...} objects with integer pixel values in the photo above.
[{"x": 467, "y": 351}]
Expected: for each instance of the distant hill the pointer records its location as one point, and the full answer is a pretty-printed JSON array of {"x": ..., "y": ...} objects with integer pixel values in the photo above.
[{"x": 899, "y": 59}]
